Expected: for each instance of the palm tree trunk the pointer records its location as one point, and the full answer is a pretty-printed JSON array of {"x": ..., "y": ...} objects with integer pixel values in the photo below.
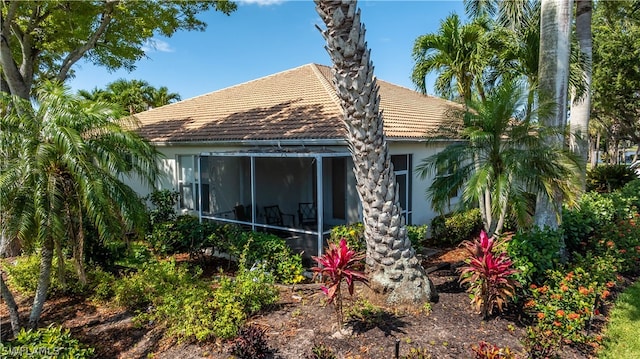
[
  {"x": 44, "y": 278},
  {"x": 391, "y": 262},
  {"x": 581, "y": 107},
  {"x": 60, "y": 260},
  {"x": 555, "y": 31},
  {"x": 78, "y": 251},
  {"x": 14, "y": 314}
]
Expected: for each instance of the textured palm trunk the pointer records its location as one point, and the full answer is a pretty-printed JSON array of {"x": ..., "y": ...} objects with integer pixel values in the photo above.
[
  {"x": 14, "y": 315},
  {"x": 581, "y": 106},
  {"x": 392, "y": 265},
  {"x": 44, "y": 278},
  {"x": 553, "y": 77}
]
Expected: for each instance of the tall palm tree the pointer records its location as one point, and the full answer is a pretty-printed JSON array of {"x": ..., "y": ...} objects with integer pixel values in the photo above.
[
  {"x": 502, "y": 160},
  {"x": 553, "y": 77},
  {"x": 581, "y": 105},
  {"x": 456, "y": 53},
  {"x": 68, "y": 158},
  {"x": 391, "y": 262}
]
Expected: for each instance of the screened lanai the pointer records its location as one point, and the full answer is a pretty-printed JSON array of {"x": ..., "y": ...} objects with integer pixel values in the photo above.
[{"x": 297, "y": 194}]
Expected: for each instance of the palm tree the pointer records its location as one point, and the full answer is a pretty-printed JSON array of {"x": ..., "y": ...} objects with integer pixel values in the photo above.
[
  {"x": 391, "y": 262},
  {"x": 162, "y": 96},
  {"x": 456, "y": 52},
  {"x": 502, "y": 161},
  {"x": 553, "y": 76},
  {"x": 133, "y": 95},
  {"x": 581, "y": 105},
  {"x": 68, "y": 158}
]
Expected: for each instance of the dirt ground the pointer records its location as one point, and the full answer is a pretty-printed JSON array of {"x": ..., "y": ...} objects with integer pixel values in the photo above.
[{"x": 301, "y": 320}]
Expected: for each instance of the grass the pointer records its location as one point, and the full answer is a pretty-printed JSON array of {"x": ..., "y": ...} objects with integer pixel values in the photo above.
[{"x": 622, "y": 339}]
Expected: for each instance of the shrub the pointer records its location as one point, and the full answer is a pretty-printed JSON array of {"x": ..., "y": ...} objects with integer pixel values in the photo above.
[
  {"x": 417, "y": 235},
  {"x": 339, "y": 264},
  {"x": 50, "y": 342},
  {"x": 621, "y": 241},
  {"x": 273, "y": 252},
  {"x": 237, "y": 298},
  {"x": 453, "y": 228},
  {"x": 579, "y": 224},
  {"x": 251, "y": 344},
  {"x": 352, "y": 233},
  {"x": 184, "y": 234},
  {"x": 533, "y": 253},
  {"x": 563, "y": 307},
  {"x": 164, "y": 206},
  {"x": 608, "y": 178},
  {"x": 487, "y": 273},
  {"x": 486, "y": 350},
  {"x": 23, "y": 277}
]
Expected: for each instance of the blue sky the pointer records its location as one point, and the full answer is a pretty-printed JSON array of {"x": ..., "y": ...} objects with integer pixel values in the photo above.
[{"x": 264, "y": 37}]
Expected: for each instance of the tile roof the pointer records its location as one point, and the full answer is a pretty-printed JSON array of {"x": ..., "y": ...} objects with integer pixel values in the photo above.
[{"x": 296, "y": 104}]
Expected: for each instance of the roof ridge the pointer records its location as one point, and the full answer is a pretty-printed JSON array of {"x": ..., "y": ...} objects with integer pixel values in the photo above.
[
  {"x": 238, "y": 85},
  {"x": 326, "y": 84}
]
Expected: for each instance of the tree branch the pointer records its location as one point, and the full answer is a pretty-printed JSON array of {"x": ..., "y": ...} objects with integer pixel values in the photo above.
[
  {"x": 9, "y": 67},
  {"x": 78, "y": 53}
]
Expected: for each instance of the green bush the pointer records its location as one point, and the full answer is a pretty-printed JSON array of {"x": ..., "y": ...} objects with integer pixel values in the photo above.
[
  {"x": 273, "y": 252},
  {"x": 608, "y": 178},
  {"x": 353, "y": 233},
  {"x": 417, "y": 235},
  {"x": 631, "y": 191},
  {"x": 23, "y": 277},
  {"x": 171, "y": 296},
  {"x": 593, "y": 212},
  {"x": 533, "y": 253},
  {"x": 453, "y": 228},
  {"x": 51, "y": 342},
  {"x": 237, "y": 298},
  {"x": 164, "y": 206},
  {"x": 182, "y": 235}
]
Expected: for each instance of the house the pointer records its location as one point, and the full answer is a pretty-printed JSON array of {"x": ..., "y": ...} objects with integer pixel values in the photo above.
[{"x": 271, "y": 154}]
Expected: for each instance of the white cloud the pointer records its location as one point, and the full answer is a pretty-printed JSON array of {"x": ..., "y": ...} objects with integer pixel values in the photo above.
[
  {"x": 261, "y": 2},
  {"x": 152, "y": 45}
]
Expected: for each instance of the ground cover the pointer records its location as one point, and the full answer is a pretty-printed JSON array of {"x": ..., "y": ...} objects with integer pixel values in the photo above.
[{"x": 301, "y": 320}]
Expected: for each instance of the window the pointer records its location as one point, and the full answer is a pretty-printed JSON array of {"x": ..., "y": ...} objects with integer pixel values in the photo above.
[
  {"x": 188, "y": 182},
  {"x": 402, "y": 170}
]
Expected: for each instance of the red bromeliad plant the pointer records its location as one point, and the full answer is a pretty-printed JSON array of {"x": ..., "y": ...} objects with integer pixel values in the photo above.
[
  {"x": 488, "y": 275},
  {"x": 337, "y": 264}
]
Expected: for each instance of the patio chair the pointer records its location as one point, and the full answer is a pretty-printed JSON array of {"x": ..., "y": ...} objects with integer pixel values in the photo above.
[
  {"x": 307, "y": 214},
  {"x": 274, "y": 216}
]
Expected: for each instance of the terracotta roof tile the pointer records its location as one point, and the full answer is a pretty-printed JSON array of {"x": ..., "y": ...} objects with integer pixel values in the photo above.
[{"x": 295, "y": 104}]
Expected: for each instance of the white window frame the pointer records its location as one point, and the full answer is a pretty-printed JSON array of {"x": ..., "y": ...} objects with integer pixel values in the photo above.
[{"x": 184, "y": 178}]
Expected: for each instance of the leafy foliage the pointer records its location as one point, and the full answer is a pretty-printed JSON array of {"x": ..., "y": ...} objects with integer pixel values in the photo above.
[
  {"x": 251, "y": 344},
  {"x": 504, "y": 158},
  {"x": 237, "y": 298},
  {"x": 534, "y": 252},
  {"x": 608, "y": 178},
  {"x": 453, "y": 228},
  {"x": 417, "y": 235},
  {"x": 563, "y": 308},
  {"x": 488, "y": 275},
  {"x": 339, "y": 264},
  {"x": 273, "y": 252},
  {"x": 164, "y": 206},
  {"x": 184, "y": 234},
  {"x": 352, "y": 233},
  {"x": 50, "y": 342}
]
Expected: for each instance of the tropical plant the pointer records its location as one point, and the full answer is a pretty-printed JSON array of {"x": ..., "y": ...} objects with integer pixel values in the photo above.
[
  {"x": 486, "y": 350},
  {"x": 488, "y": 274},
  {"x": 339, "y": 264},
  {"x": 391, "y": 261},
  {"x": 50, "y": 342},
  {"x": 456, "y": 52},
  {"x": 66, "y": 159},
  {"x": 251, "y": 343},
  {"x": 503, "y": 161}
]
